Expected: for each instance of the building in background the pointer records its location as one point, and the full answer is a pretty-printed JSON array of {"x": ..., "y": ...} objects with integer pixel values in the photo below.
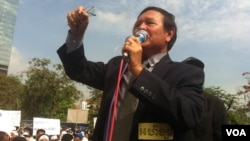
[{"x": 8, "y": 14}]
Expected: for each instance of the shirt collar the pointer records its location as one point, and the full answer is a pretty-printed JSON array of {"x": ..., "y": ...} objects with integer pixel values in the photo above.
[{"x": 155, "y": 59}]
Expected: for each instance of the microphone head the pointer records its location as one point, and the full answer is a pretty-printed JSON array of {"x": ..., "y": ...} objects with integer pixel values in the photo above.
[{"x": 142, "y": 34}]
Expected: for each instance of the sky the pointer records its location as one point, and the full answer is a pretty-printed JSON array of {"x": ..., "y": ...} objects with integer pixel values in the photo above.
[{"x": 214, "y": 31}]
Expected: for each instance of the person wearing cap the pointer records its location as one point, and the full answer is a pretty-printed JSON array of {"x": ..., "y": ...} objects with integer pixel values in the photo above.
[
  {"x": 54, "y": 138},
  {"x": 43, "y": 137},
  {"x": 77, "y": 136},
  {"x": 214, "y": 116}
]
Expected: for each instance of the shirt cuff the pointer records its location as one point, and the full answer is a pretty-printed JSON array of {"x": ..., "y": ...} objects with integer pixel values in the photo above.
[{"x": 73, "y": 42}]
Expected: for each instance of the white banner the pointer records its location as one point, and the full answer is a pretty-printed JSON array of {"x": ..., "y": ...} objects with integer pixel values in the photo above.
[
  {"x": 51, "y": 126},
  {"x": 9, "y": 119}
]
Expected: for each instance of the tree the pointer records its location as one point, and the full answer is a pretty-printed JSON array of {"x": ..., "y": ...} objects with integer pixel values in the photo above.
[
  {"x": 242, "y": 114},
  {"x": 229, "y": 99},
  {"x": 237, "y": 112},
  {"x": 10, "y": 92},
  {"x": 47, "y": 93}
]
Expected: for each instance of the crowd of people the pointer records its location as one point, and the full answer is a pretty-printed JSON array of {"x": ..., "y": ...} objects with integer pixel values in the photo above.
[{"x": 26, "y": 134}]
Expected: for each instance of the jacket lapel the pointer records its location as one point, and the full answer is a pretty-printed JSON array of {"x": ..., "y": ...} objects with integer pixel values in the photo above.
[{"x": 162, "y": 65}]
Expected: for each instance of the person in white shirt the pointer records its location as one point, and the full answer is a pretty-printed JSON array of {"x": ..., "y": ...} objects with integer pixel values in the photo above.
[{"x": 85, "y": 137}]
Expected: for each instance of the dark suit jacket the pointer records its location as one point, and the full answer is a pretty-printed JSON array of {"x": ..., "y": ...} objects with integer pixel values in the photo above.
[
  {"x": 171, "y": 93},
  {"x": 214, "y": 116}
]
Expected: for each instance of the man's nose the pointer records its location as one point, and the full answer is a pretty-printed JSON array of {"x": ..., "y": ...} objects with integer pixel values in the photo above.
[{"x": 142, "y": 26}]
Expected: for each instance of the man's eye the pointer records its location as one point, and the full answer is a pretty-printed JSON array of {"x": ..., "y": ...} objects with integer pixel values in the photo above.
[
  {"x": 137, "y": 24},
  {"x": 150, "y": 22}
]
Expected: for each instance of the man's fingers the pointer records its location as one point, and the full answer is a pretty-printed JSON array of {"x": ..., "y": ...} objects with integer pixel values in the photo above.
[
  {"x": 78, "y": 21},
  {"x": 70, "y": 19},
  {"x": 81, "y": 12}
]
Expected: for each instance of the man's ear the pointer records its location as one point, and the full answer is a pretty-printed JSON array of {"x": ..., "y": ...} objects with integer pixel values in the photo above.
[{"x": 169, "y": 35}]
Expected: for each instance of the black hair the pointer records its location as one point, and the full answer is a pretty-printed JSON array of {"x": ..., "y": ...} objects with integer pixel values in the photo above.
[
  {"x": 19, "y": 138},
  {"x": 2, "y": 133},
  {"x": 40, "y": 130},
  {"x": 67, "y": 137}
]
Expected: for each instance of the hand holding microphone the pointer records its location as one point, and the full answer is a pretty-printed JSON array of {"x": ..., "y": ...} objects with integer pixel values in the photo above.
[
  {"x": 132, "y": 51},
  {"x": 141, "y": 35}
]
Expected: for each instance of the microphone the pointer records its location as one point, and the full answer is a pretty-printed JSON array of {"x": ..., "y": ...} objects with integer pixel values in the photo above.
[{"x": 142, "y": 35}]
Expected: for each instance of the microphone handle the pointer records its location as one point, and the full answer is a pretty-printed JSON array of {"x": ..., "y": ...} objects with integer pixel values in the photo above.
[{"x": 125, "y": 56}]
